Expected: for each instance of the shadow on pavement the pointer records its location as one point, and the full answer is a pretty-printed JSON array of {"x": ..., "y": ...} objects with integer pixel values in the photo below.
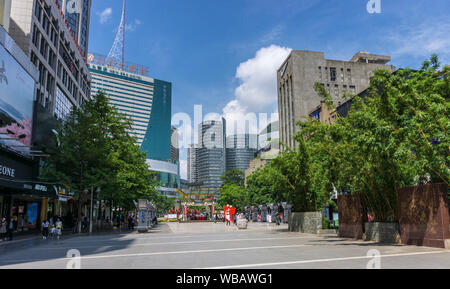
[{"x": 38, "y": 250}]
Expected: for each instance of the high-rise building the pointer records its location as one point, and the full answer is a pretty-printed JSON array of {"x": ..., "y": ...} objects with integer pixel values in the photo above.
[
  {"x": 41, "y": 31},
  {"x": 302, "y": 69},
  {"x": 148, "y": 103},
  {"x": 174, "y": 146},
  {"x": 240, "y": 150},
  {"x": 270, "y": 136},
  {"x": 211, "y": 153},
  {"x": 77, "y": 14}
]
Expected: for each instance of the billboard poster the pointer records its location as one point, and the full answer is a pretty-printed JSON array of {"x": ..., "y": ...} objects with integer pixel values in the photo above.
[
  {"x": 32, "y": 213},
  {"x": 16, "y": 103}
]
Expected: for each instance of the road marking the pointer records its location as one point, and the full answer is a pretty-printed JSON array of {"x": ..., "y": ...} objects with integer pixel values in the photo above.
[
  {"x": 65, "y": 246},
  {"x": 159, "y": 253},
  {"x": 320, "y": 261}
]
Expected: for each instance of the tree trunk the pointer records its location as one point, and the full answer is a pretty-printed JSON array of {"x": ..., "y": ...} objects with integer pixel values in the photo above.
[{"x": 80, "y": 206}]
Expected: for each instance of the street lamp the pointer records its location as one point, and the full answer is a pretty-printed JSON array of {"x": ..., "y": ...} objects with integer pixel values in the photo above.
[{"x": 92, "y": 208}]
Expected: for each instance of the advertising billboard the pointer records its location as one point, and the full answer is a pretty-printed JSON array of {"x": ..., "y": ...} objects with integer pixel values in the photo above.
[{"x": 16, "y": 103}]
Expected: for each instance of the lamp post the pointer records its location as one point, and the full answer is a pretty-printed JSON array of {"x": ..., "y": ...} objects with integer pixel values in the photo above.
[{"x": 92, "y": 209}]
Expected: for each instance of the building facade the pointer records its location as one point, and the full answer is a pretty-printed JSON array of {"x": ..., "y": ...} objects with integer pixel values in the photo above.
[
  {"x": 22, "y": 197},
  {"x": 192, "y": 167},
  {"x": 77, "y": 14},
  {"x": 303, "y": 69},
  {"x": 40, "y": 29},
  {"x": 148, "y": 103},
  {"x": 5, "y": 11},
  {"x": 211, "y": 153},
  {"x": 240, "y": 150}
]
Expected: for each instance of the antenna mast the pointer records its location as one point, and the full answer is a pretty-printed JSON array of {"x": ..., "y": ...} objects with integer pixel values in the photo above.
[{"x": 117, "y": 53}]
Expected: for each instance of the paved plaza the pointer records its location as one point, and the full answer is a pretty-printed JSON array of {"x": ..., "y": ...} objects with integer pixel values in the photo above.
[{"x": 215, "y": 246}]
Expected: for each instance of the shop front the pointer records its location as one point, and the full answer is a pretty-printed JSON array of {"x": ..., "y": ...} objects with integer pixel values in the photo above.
[{"x": 21, "y": 198}]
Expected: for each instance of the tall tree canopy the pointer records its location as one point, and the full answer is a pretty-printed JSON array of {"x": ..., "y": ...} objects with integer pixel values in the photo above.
[{"x": 96, "y": 150}]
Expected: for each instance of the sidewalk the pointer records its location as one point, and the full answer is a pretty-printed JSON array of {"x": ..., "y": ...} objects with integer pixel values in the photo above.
[{"x": 20, "y": 238}]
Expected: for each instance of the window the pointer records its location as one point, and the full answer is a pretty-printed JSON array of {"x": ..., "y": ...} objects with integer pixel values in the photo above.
[
  {"x": 333, "y": 73},
  {"x": 349, "y": 75},
  {"x": 63, "y": 106},
  {"x": 38, "y": 11}
]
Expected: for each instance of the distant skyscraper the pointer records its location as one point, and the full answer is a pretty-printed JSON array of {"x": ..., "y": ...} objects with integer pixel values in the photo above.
[
  {"x": 240, "y": 150},
  {"x": 211, "y": 154},
  {"x": 174, "y": 146},
  {"x": 192, "y": 167}
]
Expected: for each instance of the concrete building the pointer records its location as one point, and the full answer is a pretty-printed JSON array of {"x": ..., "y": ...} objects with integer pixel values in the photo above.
[
  {"x": 302, "y": 69},
  {"x": 148, "y": 103},
  {"x": 240, "y": 150},
  {"x": 211, "y": 153},
  {"x": 269, "y": 148}
]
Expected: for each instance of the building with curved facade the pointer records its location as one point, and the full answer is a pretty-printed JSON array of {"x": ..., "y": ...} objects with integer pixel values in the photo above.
[
  {"x": 148, "y": 103},
  {"x": 211, "y": 153}
]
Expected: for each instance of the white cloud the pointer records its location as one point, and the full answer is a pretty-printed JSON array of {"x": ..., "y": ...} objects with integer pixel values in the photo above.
[
  {"x": 133, "y": 26},
  {"x": 422, "y": 41},
  {"x": 257, "y": 92},
  {"x": 105, "y": 15}
]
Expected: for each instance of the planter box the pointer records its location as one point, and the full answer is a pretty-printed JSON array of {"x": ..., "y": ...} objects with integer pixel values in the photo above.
[
  {"x": 310, "y": 223},
  {"x": 352, "y": 216},
  {"x": 242, "y": 224},
  {"x": 424, "y": 215},
  {"x": 382, "y": 232}
]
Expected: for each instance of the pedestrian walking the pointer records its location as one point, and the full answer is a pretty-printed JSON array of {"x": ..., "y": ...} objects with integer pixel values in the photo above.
[
  {"x": 59, "y": 227},
  {"x": 45, "y": 228},
  {"x": 3, "y": 229},
  {"x": 75, "y": 225},
  {"x": 11, "y": 229},
  {"x": 277, "y": 217}
]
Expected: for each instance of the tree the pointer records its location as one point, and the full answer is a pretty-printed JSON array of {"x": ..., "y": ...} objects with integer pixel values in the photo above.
[
  {"x": 265, "y": 186},
  {"x": 232, "y": 194},
  {"x": 396, "y": 136},
  {"x": 96, "y": 150},
  {"x": 234, "y": 176}
]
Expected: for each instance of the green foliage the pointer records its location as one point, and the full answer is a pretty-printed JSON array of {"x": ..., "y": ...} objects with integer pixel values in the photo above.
[
  {"x": 325, "y": 224},
  {"x": 265, "y": 186},
  {"x": 96, "y": 151},
  {"x": 234, "y": 195},
  {"x": 397, "y": 136},
  {"x": 234, "y": 176}
]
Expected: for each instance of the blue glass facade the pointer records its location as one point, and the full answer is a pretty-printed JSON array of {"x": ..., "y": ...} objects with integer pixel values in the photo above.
[{"x": 157, "y": 139}]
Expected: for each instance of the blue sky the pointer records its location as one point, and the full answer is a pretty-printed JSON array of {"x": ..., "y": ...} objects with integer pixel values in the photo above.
[{"x": 199, "y": 45}]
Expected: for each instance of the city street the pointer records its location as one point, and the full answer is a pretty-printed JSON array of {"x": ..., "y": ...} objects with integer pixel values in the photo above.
[{"x": 215, "y": 246}]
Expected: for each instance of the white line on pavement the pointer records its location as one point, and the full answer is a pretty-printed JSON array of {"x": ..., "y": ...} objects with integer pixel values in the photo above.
[
  {"x": 320, "y": 260},
  {"x": 158, "y": 253},
  {"x": 64, "y": 247}
]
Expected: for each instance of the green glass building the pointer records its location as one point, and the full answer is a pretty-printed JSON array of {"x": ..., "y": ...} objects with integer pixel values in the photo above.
[{"x": 148, "y": 103}]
